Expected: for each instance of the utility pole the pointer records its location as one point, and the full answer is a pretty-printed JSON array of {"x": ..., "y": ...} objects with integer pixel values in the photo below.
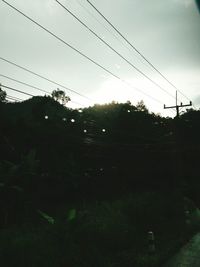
[
  {"x": 178, "y": 106},
  {"x": 177, "y": 157}
]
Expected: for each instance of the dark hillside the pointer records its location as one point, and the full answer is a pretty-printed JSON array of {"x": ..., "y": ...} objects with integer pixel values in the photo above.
[{"x": 118, "y": 168}]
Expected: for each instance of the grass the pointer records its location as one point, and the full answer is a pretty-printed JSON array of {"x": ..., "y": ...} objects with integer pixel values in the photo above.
[{"x": 102, "y": 234}]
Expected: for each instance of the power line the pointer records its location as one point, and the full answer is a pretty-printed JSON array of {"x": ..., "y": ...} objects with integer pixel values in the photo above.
[
  {"x": 93, "y": 6},
  {"x": 114, "y": 50},
  {"x": 61, "y": 40},
  {"x": 107, "y": 29},
  {"x": 10, "y": 100},
  {"x": 22, "y": 92},
  {"x": 42, "y": 77},
  {"x": 16, "y": 90},
  {"x": 34, "y": 87},
  {"x": 80, "y": 53},
  {"x": 99, "y": 22},
  {"x": 14, "y": 98}
]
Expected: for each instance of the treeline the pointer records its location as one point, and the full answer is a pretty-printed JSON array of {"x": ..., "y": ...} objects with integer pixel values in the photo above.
[
  {"x": 51, "y": 154},
  {"x": 83, "y": 187}
]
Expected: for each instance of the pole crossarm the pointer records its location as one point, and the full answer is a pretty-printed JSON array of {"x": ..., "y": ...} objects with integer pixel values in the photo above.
[{"x": 178, "y": 106}]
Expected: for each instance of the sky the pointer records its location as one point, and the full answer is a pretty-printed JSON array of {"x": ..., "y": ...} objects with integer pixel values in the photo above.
[{"x": 166, "y": 32}]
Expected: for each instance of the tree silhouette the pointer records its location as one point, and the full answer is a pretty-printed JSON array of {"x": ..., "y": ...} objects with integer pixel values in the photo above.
[
  {"x": 141, "y": 106},
  {"x": 2, "y": 95},
  {"x": 60, "y": 96}
]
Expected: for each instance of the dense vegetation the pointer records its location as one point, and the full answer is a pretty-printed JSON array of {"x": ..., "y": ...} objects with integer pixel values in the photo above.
[{"x": 82, "y": 188}]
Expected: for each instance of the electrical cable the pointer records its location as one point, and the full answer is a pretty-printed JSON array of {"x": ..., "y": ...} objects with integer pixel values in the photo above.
[
  {"x": 107, "y": 29},
  {"x": 80, "y": 53},
  {"x": 10, "y": 98},
  {"x": 32, "y": 86},
  {"x": 16, "y": 90},
  {"x": 14, "y": 98},
  {"x": 136, "y": 50},
  {"x": 42, "y": 77},
  {"x": 114, "y": 50}
]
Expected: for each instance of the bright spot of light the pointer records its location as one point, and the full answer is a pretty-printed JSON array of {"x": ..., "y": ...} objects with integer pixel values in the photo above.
[
  {"x": 85, "y": 131},
  {"x": 64, "y": 119},
  {"x": 128, "y": 111},
  {"x": 80, "y": 111},
  {"x": 72, "y": 120},
  {"x": 46, "y": 117},
  {"x": 134, "y": 90},
  {"x": 113, "y": 89},
  {"x": 103, "y": 130}
]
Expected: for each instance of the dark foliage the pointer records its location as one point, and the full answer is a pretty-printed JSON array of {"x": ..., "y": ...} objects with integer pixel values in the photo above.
[{"x": 53, "y": 157}]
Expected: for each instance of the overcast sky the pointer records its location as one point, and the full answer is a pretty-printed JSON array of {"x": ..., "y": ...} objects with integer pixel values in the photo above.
[{"x": 166, "y": 32}]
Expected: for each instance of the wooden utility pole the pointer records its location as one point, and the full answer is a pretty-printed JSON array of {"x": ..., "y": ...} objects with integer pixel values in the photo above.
[
  {"x": 178, "y": 106},
  {"x": 177, "y": 157}
]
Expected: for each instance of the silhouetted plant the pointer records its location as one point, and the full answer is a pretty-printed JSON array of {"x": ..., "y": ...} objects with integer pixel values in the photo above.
[
  {"x": 60, "y": 96},
  {"x": 3, "y": 95}
]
